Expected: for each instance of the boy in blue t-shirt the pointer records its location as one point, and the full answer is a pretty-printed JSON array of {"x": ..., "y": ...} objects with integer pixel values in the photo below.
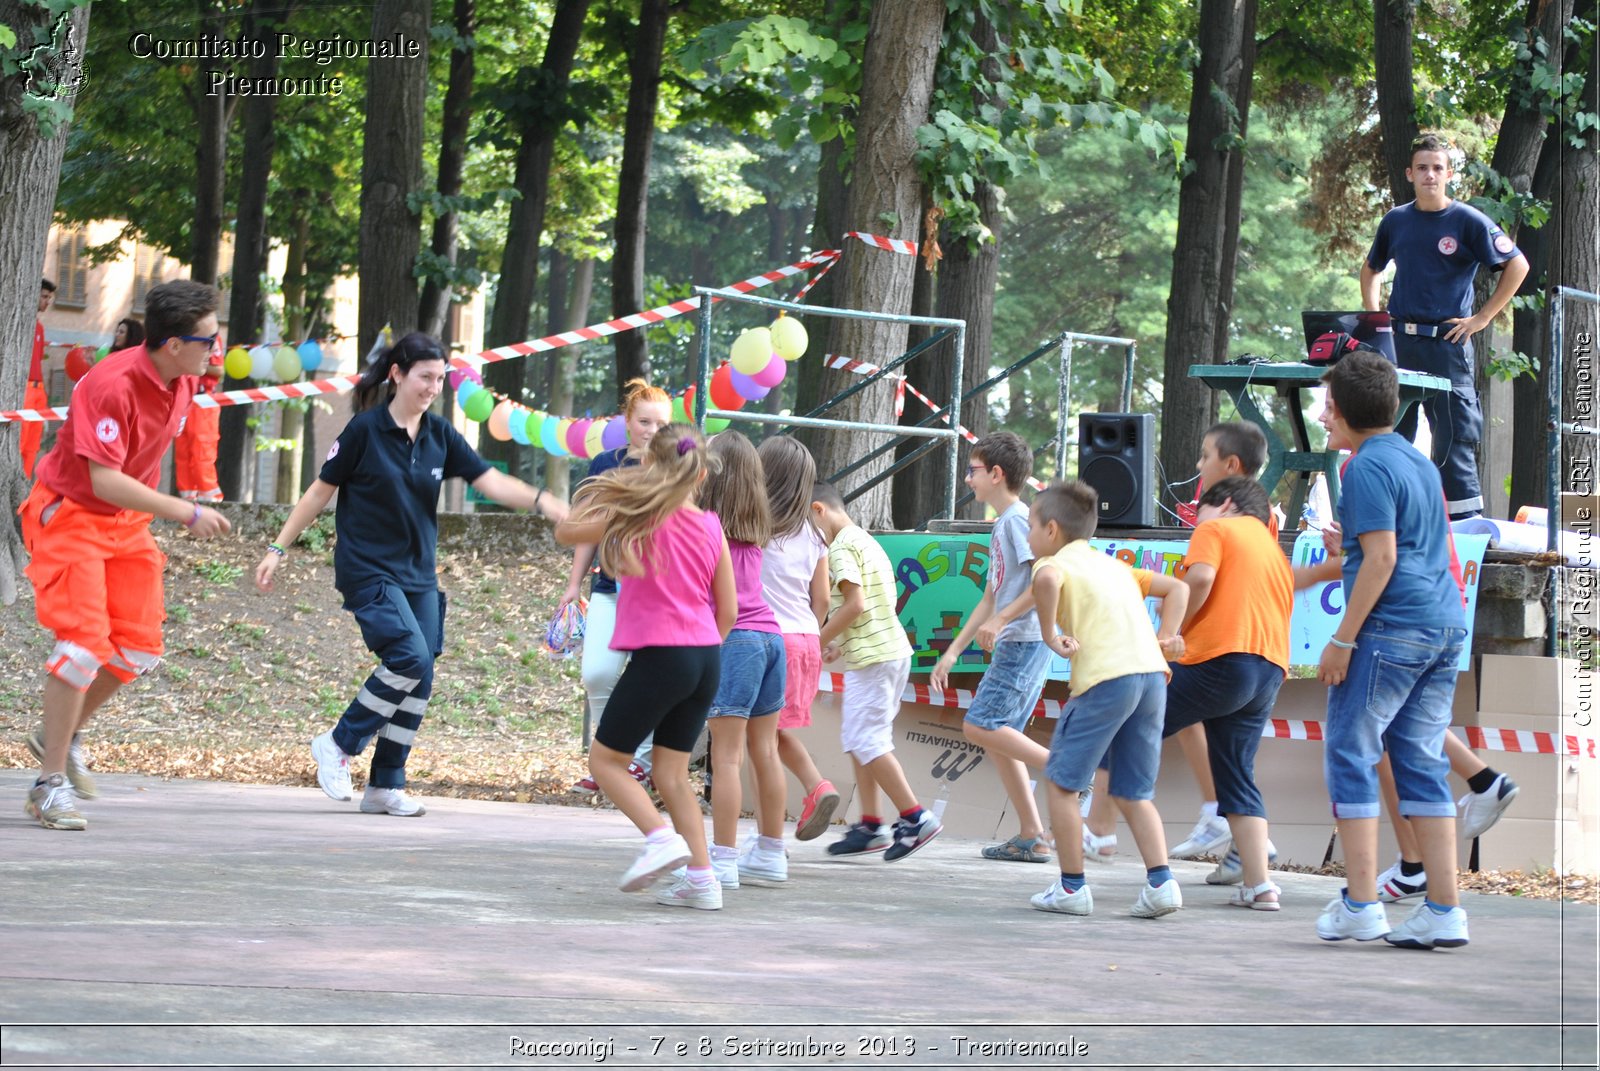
[
  {"x": 1391, "y": 677},
  {"x": 1005, "y": 624}
]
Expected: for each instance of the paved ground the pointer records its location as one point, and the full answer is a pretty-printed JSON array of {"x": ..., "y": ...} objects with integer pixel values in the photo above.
[{"x": 204, "y": 924}]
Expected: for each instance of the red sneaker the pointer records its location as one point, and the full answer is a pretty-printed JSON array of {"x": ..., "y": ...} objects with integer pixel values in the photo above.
[
  {"x": 641, "y": 775},
  {"x": 586, "y": 787},
  {"x": 817, "y": 811}
]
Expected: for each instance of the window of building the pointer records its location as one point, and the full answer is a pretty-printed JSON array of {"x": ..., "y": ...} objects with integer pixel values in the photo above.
[
  {"x": 72, "y": 268},
  {"x": 149, "y": 265}
]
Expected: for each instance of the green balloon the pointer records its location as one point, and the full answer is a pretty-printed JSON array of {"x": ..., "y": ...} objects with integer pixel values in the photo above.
[
  {"x": 101, "y": 352},
  {"x": 679, "y": 415},
  {"x": 479, "y": 406},
  {"x": 715, "y": 424}
]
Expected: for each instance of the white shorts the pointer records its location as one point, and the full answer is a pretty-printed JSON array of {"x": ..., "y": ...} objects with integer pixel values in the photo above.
[{"x": 871, "y": 700}]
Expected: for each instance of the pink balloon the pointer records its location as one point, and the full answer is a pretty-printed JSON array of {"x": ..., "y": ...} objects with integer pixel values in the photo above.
[
  {"x": 458, "y": 374},
  {"x": 773, "y": 374},
  {"x": 575, "y": 433},
  {"x": 747, "y": 388}
]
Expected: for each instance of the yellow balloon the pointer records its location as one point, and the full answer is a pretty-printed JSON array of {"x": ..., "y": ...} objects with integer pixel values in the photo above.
[
  {"x": 591, "y": 438},
  {"x": 751, "y": 351},
  {"x": 237, "y": 363},
  {"x": 286, "y": 364},
  {"x": 788, "y": 338},
  {"x": 499, "y": 422}
]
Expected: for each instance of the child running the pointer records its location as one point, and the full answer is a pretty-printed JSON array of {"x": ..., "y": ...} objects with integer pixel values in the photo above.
[
  {"x": 1119, "y": 690},
  {"x": 676, "y": 605},
  {"x": 1005, "y": 624},
  {"x": 387, "y": 466},
  {"x": 794, "y": 579},
  {"x": 645, "y": 411},
  {"x": 864, "y": 629},
  {"x": 1236, "y": 656},
  {"x": 750, "y": 692}
]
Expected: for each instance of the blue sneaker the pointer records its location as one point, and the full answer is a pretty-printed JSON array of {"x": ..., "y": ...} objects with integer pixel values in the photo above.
[
  {"x": 860, "y": 839},
  {"x": 909, "y": 836}
]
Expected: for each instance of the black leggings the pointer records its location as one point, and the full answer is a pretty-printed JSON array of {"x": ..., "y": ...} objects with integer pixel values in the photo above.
[{"x": 665, "y": 690}]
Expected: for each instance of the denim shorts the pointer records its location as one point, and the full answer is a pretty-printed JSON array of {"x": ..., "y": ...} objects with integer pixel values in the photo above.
[
  {"x": 1119, "y": 719},
  {"x": 1232, "y": 695},
  {"x": 752, "y": 675},
  {"x": 1011, "y": 686},
  {"x": 1397, "y": 698}
]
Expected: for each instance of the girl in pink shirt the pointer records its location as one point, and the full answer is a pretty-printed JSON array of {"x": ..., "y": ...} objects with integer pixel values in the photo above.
[{"x": 673, "y": 610}]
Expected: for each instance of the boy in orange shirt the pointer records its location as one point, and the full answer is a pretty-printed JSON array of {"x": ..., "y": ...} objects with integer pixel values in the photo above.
[
  {"x": 96, "y": 570},
  {"x": 1236, "y": 656}
]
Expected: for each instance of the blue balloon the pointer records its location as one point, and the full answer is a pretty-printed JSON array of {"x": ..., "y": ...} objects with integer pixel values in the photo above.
[
  {"x": 519, "y": 426},
  {"x": 549, "y": 439},
  {"x": 310, "y": 355},
  {"x": 466, "y": 390}
]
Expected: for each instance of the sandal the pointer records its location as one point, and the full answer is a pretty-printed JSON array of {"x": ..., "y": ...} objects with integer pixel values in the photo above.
[
  {"x": 1018, "y": 850},
  {"x": 1099, "y": 849},
  {"x": 1263, "y": 897}
]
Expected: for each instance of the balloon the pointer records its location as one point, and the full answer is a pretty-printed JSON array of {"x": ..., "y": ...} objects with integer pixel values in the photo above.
[
  {"x": 789, "y": 338},
  {"x": 286, "y": 364},
  {"x": 261, "y": 364},
  {"x": 547, "y": 436},
  {"x": 683, "y": 407},
  {"x": 102, "y": 351},
  {"x": 574, "y": 436},
  {"x": 78, "y": 362},
  {"x": 751, "y": 350},
  {"x": 237, "y": 363},
  {"x": 747, "y": 388},
  {"x": 499, "y": 422},
  {"x": 616, "y": 433},
  {"x": 594, "y": 438},
  {"x": 773, "y": 373},
  {"x": 310, "y": 352},
  {"x": 716, "y": 424},
  {"x": 479, "y": 406},
  {"x": 518, "y": 426},
  {"x": 723, "y": 396},
  {"x": 469, "y": 374}
]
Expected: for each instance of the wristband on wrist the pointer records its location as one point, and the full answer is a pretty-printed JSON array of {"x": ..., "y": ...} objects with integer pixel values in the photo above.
[
  {"x": 1337, "y": 642},
  {"x": 194, "y": 518},
  {"x": 279, "y": 551}
]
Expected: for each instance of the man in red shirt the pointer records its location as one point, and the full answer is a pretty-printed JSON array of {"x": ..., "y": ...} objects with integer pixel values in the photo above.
[
  {"x": 95, "y": 567},
  {"x": 33, "y": 395}
]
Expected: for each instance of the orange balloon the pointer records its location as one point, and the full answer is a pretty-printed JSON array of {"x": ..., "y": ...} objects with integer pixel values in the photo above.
[{"x": 499, "y": 422}]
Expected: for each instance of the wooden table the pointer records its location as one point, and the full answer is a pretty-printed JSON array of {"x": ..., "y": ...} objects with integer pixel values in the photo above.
[{"x": 1297, "y": 459}]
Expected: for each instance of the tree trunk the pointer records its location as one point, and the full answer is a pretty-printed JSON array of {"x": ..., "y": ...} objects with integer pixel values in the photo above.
[
  {"x": 827, "y": 232},
  {"x": 1575, "y": 263},
  {"x": 391, "y": 171},
  {"x": 211, "y": 114},
  {"x": 452, "y": 164},
  {"x": 30, "y": 169},
  {"x": 564, "y": 362},
  {"x": 245, "y": 309},
  {"x": 1517, "y": 151},
  {"x": 519, "y": 268},
  {"x": 902, "y": 49},
  {"x": 1195, "y": 308},
  {"x": 1229, "y": 267},
  {"x": 633, "y": 185},
  {"x": 295, "y": 328},
  {"x": 1397, "y": 102}
]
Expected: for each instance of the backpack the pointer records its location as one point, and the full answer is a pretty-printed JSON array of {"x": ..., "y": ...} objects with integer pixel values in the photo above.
[{"x": 1332, "y": 345}]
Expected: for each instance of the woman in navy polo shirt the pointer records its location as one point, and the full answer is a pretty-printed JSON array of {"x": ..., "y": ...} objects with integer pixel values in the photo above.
[{"x": 389, "y": 464}]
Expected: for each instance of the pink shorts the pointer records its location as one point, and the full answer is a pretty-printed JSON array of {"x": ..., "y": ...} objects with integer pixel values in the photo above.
[{"x": 803, "y": 658}]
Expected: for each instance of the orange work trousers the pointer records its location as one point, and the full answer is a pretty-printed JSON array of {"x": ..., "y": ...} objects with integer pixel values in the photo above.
[
  {"x": 33, "y": 397},
  {"x": 195, "y": 455}
]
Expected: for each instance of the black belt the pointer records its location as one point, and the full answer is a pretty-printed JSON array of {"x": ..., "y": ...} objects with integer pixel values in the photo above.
[{"x": 1406, "y": 327}]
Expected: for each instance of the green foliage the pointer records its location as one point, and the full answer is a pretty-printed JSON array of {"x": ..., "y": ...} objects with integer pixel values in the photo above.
[{"x": 223, "y": 574}]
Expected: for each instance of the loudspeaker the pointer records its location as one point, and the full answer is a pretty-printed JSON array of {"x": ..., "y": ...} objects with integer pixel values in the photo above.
[{"x": 1116, "y": 456}]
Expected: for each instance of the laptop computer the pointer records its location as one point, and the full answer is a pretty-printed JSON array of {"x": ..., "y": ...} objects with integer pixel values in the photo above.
[{"x": 1373, "y": 328}]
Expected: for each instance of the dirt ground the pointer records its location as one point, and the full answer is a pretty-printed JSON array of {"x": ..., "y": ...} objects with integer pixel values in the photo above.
[{"x": 248, "y": 678}]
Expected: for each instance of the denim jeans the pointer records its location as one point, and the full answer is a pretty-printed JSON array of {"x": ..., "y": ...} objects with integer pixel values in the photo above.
[
  {"x": 1396, "y": 698},
  {"x": 1232, "y": 695}
]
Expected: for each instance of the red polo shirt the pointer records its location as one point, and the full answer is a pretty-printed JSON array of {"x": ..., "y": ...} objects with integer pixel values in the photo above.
[
  {"x": 36, "y": 368},
  {"x": 122, "y": 415}
]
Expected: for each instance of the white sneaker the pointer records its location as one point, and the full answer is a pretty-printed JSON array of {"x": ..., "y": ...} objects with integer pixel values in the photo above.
[
  {"x": 1425, "y": 929},
  {"x": 1476, "y": 811},
  {"x": 1159, "y": 900},
  {"x": 1394, "y": 886},
  {"x": 333, "y": 766},
  {"x": 1209, "y": 836},
  {"x": 684, "y": 893},
  {"x": 1099, "y": 849},
  {"x": 725, "y": 868},
  {"x": 759, "y": 867},
  {"x": 391, "y": 801},
  {"x": 655, "y": 860},
  {"x": 50, "y": 801},
  {"x": 1056, "y": 898},
  {"x": 77, "y": 765},
  {"x": 1339, "y": 921}
]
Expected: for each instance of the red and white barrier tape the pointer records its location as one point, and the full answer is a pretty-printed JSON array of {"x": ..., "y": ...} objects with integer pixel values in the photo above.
[
  {"x": 800, "y": 295},
  {"x": 1479, "y": 739},
  {"x": 339, "y": 384},
  {"x": 878, "y": 241}
]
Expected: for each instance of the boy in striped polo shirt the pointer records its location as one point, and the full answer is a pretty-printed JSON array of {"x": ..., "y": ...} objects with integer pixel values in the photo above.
[{"x": 862, "y": 627}]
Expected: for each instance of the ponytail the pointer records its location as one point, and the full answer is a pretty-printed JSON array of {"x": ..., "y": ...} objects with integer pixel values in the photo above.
[
  {"x": 636, "y": 501},
  {"x": 403, "y": 354},
  {"x": 638, "y": 390}
]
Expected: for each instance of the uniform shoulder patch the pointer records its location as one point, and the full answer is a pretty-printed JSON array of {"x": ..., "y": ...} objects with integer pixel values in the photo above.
[
  {"x": 107, "y": 430},
  {"x": 1503, "y": 243},
  {"x": 333, "y": 451}
]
